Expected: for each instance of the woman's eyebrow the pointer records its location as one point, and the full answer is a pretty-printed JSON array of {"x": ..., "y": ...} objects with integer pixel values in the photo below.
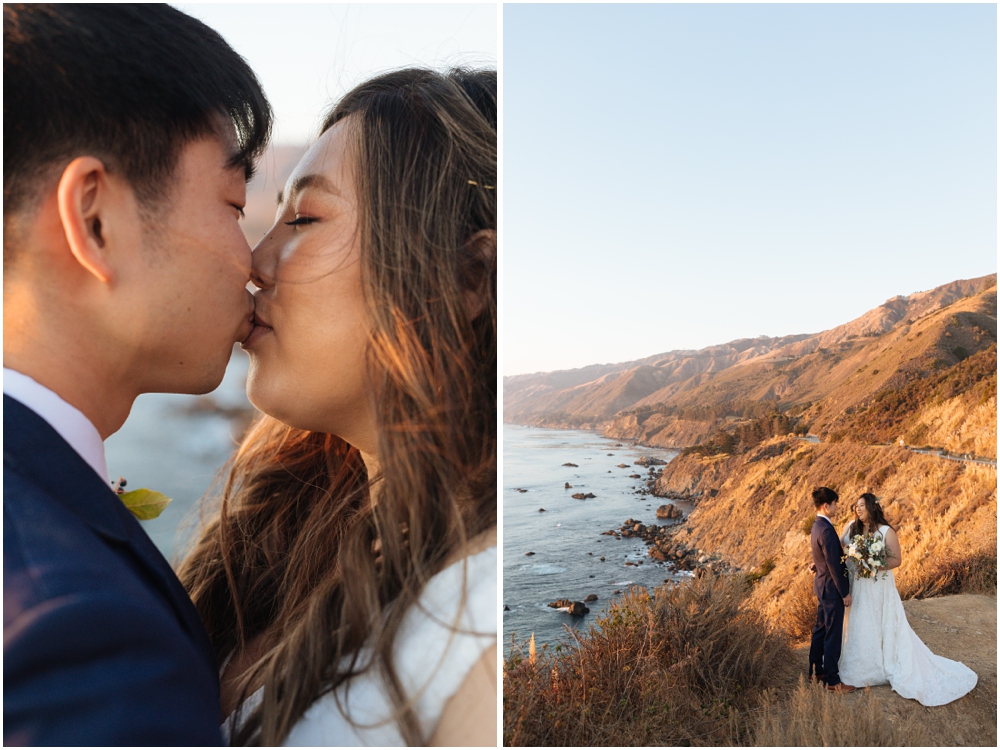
[{"x": 307, "y": 181}]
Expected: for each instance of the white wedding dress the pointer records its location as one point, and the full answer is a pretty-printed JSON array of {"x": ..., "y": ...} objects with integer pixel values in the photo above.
[
  {"x": 438, "y": 643},
  {"x": 880, "y": 646}
]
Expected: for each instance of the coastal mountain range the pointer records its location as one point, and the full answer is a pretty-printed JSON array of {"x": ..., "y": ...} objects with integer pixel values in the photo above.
[{"x": 679, "y": 398}]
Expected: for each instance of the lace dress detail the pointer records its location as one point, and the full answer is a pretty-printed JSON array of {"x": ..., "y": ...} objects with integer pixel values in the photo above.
[
  {"x": 438, "y": 643},
  {"x": 880, "y": 647}
]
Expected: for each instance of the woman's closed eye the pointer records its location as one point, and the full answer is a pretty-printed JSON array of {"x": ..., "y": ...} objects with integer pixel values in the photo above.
[{"x": 300, "y": 221}]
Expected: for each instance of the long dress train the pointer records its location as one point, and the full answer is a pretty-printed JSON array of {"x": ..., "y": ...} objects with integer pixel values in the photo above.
[{"x": 880, "y": 647}]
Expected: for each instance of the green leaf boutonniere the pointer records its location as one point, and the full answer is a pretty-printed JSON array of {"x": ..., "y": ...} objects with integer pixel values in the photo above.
[{"x": 144, "y": 504}]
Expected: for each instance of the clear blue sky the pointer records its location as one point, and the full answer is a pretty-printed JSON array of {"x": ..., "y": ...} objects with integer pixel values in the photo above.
[
  {"x": 309, "y": 54},
  {"x": 676, "y": 176}
]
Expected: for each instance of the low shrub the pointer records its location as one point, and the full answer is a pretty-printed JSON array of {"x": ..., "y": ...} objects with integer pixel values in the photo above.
[
  {"x": 760, "y": 571},
  {"x": 974, "y": 573},
  {"x": 683, "y": 665},
  {"x": 800, "y": 610}
]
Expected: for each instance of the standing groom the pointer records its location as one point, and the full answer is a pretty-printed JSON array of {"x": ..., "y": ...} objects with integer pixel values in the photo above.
[
  {"x": 833, "y": 590},
  {"x": 129, "y": 134}
]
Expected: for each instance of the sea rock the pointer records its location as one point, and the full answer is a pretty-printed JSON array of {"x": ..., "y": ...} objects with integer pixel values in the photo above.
[
  {"x": 577, "y": 609},
  {"x": 573, "y": 465},
  {"x": 602, "y": 559},
  {"x": 649, "y": 461},
  {"x": 528, "y": 554},
  {"x": 519, "y": 489},
  {"x": 635, "y": 476},
  {"x": 568, "y": 486},
  {"x": 506, "y": 608},
  {"x": 583, "y": 495},
  {"x": 669, "y": 511},
  {"x": 541, "y": 510},
  {"x": 590, "y": 598},
  {"x": 623, "y": 466}
]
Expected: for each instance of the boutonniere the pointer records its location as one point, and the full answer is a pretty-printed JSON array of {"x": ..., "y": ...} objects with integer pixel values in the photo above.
[{"x": 143, "y": 504}]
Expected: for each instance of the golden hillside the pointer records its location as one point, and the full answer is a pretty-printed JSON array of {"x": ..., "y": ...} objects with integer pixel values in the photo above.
[{"x": 676, "y": 399}]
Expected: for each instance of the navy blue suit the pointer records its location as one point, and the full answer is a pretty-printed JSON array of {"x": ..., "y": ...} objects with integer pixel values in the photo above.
[
  {"x": 101, "y": 644},
  {"x": 831, "y": 585}
]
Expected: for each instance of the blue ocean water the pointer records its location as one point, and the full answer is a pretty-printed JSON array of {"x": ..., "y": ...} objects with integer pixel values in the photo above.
[
  {"x": 168, "y": 448},
  {"x": 566, "y": 538}
]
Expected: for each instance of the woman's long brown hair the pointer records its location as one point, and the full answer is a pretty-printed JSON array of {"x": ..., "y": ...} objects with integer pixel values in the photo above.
[
  {"x": 297, "y": 553},
  {"x": 876, "y": 517}
]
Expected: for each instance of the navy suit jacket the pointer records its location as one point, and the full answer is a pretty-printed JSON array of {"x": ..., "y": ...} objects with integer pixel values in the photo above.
[
  {"x": 831, "y": 580},
  {"x": 101, "y": 644}
]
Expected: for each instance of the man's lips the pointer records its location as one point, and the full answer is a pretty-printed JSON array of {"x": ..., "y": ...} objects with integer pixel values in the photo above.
[{"x": 260, "y": 328}]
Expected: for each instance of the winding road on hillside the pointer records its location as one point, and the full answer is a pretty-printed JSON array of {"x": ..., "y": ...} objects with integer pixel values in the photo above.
[{"x": 937, "y": 452}]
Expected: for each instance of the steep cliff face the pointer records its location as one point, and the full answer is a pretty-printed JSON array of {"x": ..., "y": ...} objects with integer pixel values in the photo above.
[{"x": 658, "y": 430}]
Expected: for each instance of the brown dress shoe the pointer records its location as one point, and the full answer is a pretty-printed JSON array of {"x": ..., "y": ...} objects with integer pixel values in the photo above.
[{"x": 841, "y": 687}]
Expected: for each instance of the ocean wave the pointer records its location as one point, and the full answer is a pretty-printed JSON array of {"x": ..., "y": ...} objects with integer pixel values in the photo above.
[{"x": 545, "y": 569}]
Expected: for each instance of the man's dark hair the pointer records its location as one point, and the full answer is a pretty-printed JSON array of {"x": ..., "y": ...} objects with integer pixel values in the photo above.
[
  {"x": 128, "y": 84},
  {"x": 824, "y": 496}
]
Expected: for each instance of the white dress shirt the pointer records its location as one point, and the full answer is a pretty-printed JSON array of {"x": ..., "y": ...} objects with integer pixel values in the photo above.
[{"x": 64, "y": 418}]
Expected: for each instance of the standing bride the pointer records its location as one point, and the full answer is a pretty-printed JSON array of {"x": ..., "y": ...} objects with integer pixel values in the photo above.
[
  {"x": 349, "y": 583},
  {"x": 879, "y": 645}
]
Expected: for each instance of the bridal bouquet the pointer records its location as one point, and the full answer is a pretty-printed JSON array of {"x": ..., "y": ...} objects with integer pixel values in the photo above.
[{"x": 868, "y": 553}]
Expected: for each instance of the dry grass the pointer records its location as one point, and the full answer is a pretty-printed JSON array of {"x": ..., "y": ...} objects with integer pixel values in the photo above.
[
  {"x": 685, "y": 665},
  {"x": 974, "y": 573},
  {"x": 813, "y": 716},
  {"x": 800, "y": 610}
]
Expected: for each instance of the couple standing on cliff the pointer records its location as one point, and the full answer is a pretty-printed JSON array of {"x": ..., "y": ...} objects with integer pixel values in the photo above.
[{"x": 878, "y": 646}]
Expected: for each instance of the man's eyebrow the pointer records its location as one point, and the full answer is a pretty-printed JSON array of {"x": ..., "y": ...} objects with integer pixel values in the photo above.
[{"x": 307, "y": 181}]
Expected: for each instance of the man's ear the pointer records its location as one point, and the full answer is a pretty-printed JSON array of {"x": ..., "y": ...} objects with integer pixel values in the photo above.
[
  {"x": 83, "y": 195},
  {"x": 482, "y": 251}
]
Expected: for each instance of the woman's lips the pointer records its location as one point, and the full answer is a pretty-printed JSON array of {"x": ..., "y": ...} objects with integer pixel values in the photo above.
[{"x": 259, "y": 330}]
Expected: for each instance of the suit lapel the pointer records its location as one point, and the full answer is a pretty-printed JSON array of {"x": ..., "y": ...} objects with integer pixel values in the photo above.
[{"x": 35, "y": 450}]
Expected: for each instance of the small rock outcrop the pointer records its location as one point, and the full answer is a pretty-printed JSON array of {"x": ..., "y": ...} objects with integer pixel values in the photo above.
[
  {"x": 528, "y": 554},
  {"x": 583, "y": 495},
  {"x": 649, "y": 461},
  {"x": 590, "y": 598},
  {"x": 573, "y": 465},
  {"x": 568, "y": 486},
  {"x": 669, "y": 511},
  {"x": 577, "y": 609}
]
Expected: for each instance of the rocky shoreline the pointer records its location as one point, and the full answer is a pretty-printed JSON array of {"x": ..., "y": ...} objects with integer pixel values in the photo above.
[{"x": 665, "y": 544}]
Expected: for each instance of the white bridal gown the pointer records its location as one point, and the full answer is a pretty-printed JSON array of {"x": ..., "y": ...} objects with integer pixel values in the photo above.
[
  {"x": 880, "y": 646},
  {"x": 436, "y": 646}
]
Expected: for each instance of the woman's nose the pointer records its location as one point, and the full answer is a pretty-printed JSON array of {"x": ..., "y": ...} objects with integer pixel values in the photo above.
[{"x": 264, "y": 258}]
